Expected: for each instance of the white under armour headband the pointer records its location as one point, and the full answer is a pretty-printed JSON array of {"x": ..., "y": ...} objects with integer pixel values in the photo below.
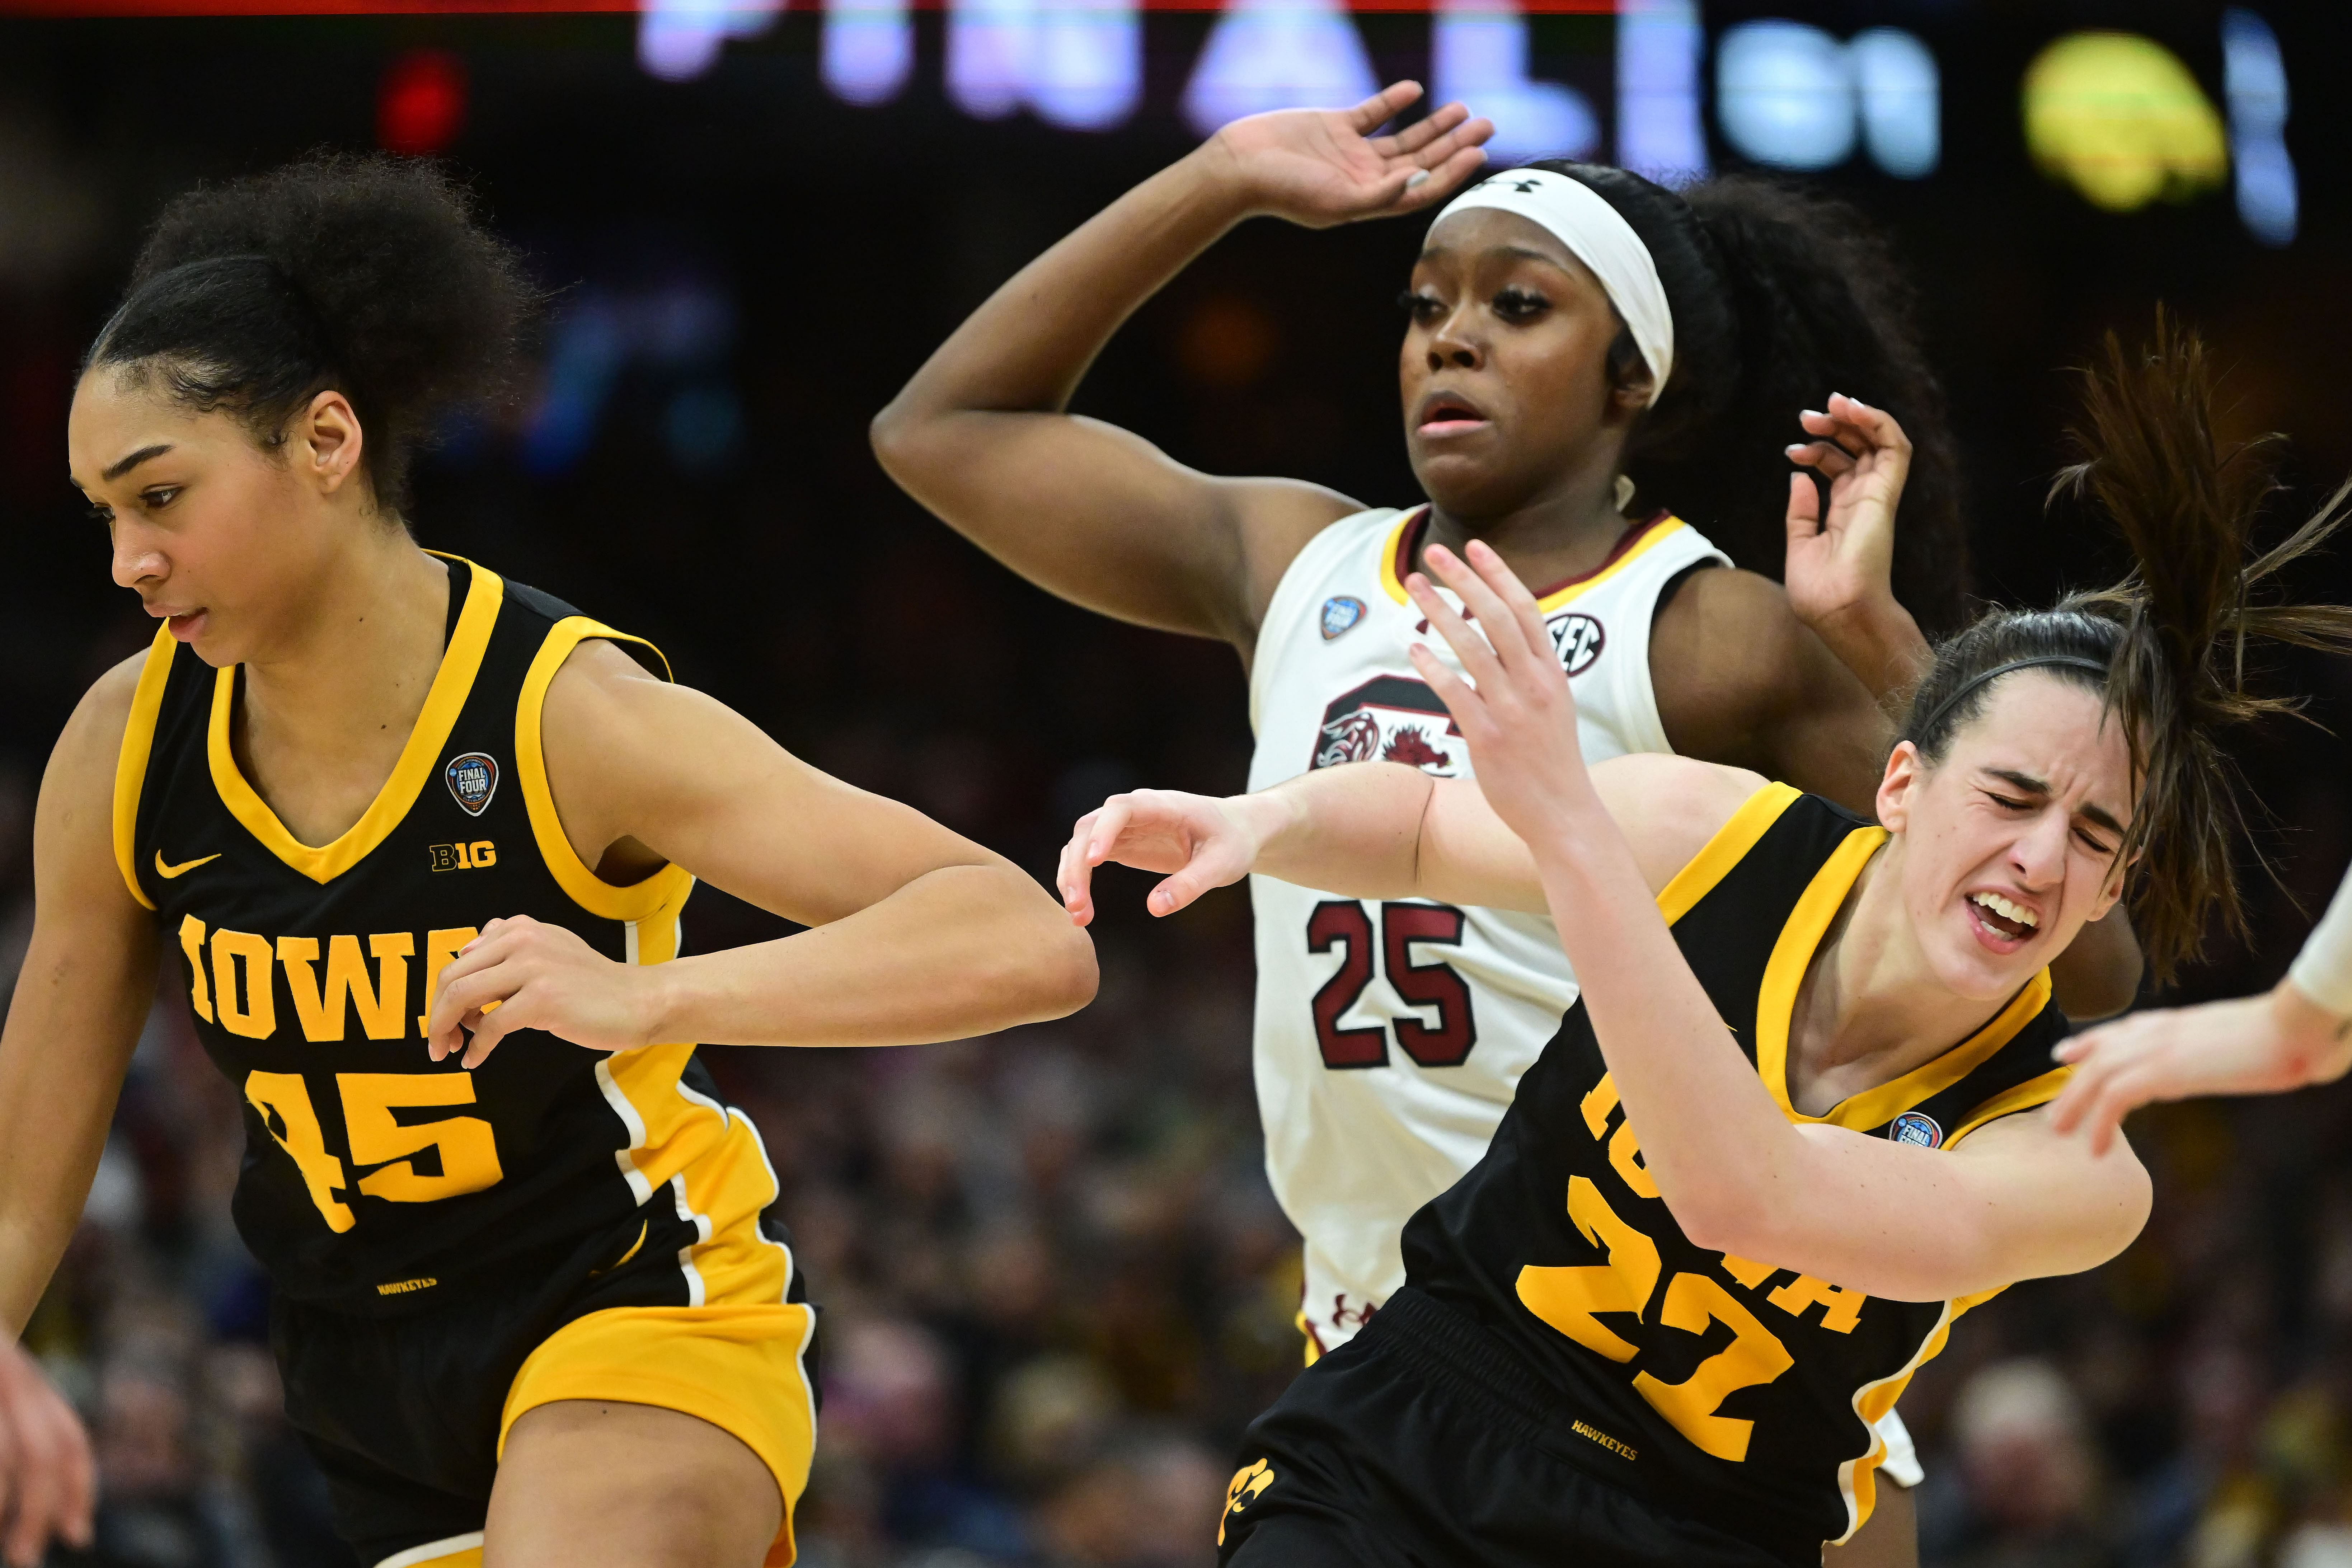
[{"x": 1597, "y": 235}]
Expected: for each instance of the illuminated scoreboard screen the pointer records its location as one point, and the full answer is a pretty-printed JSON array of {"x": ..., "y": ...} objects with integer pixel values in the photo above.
[{"x": 2124, "y": 117}]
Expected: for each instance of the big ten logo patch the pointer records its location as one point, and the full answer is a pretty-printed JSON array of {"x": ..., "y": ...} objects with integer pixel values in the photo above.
[
  {"x": 478, "y": 856},
  {"x": 1577, "y": 638},
  {"x": 1390, "y": 719}
]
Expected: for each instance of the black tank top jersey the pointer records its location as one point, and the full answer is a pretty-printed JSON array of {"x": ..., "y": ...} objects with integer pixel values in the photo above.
[
  {"x": 374, "y": 1178},
  {"x": 1741, "y": 1393}
]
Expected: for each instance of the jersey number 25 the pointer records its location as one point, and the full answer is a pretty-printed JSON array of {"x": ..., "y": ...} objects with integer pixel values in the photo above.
[{"x": 1346, "y": 924}]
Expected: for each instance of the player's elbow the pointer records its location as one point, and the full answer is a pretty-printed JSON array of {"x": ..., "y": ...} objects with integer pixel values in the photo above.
[
  {"x": 1046, "y": 968},
  {"x": 1727, "y": 1216}
]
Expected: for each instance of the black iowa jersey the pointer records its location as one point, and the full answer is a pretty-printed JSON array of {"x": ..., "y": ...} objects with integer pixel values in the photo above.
[
  {"x": 374, "y": 1178},
  {"x": 1742, "y": 1391}
]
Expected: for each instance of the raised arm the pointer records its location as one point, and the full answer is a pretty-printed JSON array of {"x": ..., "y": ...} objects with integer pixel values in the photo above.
[
  {"x": 2017, "y": 1201},
  {"x": 982, "y": 437},
  {"x": 917, "y": 934}
]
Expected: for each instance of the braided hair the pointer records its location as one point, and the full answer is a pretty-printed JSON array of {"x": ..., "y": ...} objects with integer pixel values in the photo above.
[
  {"x": 2166, "y": 646},
  {"x": 1780, "y": 295},
  {"x": 368, "y": 275}
]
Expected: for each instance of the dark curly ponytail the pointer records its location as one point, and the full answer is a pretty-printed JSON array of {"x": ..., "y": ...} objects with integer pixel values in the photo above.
[
  {"x": 371, "y": 276},
  {"x": 1781, "y": 296},
  {"x": 2166, "y": 645}
]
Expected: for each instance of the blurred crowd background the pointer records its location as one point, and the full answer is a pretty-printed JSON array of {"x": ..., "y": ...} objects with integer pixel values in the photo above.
[{"x": 1055, "y": 1283}]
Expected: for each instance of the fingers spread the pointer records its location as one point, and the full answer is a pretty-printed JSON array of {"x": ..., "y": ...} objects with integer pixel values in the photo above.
[
  {"x": 1476, "y": 655},
  {"x": 1383, "y": 106},
  {"x": 1448, "y": 174},
  {"x": 1804, "y": 508},
  {"x": 1413, "y": 138},
  {"x": 1826, "y": 457}
]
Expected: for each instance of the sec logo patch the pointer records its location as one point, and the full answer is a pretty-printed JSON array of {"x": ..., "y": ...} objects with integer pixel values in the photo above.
[
  {"x": 1341, "y": 613},
  {"x": 1577, "y": 638},
  {"x": 1916, "y": 1128},
  {"x": 473, "y": 778}
]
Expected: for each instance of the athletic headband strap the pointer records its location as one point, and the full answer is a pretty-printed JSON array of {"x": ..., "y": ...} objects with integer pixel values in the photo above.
[
  {"x": 1597, "y": 235},
  {"x": 2070, "y": 660}
]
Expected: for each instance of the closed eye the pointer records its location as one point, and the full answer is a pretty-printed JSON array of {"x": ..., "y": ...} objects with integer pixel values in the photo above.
[
  {"x": 2093, "y": 843},
  {"x": 2006, "y": 803}
]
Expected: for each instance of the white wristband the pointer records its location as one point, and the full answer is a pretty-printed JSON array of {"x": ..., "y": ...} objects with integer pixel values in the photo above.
[{"x": 2323, "y": 970}]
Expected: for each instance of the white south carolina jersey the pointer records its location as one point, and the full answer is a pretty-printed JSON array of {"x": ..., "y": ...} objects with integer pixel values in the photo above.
[{"x": 1391, "y": 1036}]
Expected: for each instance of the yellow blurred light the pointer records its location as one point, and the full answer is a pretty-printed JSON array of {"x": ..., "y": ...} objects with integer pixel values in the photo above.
[{"x": 2119, "y": 118}]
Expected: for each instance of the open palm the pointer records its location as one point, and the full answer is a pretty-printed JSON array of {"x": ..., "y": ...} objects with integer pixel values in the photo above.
[
  {"x": 1325, "y": 166},
  {"x": 1843, "y": 560}
]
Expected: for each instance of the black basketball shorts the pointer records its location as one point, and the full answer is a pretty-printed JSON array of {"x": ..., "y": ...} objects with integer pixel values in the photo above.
[
  {"x": 1408, "y": 1447},
  {"x": 407, "y": 1415}
]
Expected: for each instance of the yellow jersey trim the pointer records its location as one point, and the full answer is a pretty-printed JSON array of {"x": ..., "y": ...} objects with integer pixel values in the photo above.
[
  {"x": 1799, "y": 938},
  {"x": 452, "y": 683},
  {"x": 130, "y": 759},
  {"x": 1738, "y": 835},
  {"x": 1623, "y": 555},
  {"x": 639, "y": 900},
  {"x": 2033, "y": 1091}
]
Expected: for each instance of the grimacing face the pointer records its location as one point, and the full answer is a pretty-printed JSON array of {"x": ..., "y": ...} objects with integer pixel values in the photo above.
[
  {"x": 2010, "y": 843},
  {"x": 218, "y": 537},
  {"x": 1505, "y": 367}
]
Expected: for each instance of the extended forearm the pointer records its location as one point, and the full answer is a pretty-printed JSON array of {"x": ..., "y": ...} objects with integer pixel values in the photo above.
[
  {"x": 1883, "y": 647},
  {"x": 1354, "y": 830},
  {"x": 961, "y": 951},
  {"x": 1712, "y": 1139}
]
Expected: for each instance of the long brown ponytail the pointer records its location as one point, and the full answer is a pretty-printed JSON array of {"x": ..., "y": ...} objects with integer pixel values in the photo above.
[{"x": 2171, "y": 637}]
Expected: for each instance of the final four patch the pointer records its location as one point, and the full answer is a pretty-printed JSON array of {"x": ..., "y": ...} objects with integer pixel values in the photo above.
[
  {"x": 1917, "y": 1128},
  {"x": 1341, "y": 613},
  {"x": 473, "y": 778}
]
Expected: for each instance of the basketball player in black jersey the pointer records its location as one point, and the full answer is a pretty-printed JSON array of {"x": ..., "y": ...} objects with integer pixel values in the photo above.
[
  {"x": 411, "y": 839},
  {"x": 1833, "y": 1037}
]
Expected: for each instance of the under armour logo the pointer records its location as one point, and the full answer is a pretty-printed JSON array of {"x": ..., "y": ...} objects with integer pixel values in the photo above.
[{"x": 1524, "y": 186}]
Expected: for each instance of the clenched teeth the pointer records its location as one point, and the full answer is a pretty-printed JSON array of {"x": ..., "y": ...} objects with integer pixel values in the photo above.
[{"x": 2006, "y": 910}]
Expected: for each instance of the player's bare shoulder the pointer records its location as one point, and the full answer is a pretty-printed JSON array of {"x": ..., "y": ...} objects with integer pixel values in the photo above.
[
  {"x": 1723, "y": 647},
  {"x": 1669, "y": 807}
]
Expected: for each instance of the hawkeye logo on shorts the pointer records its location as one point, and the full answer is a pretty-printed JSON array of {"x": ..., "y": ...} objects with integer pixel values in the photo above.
[
  {"x": 1341, "y": 613},
  {"x": 1917, "y": 1128},
  {"x": 1241, "y": 1492},
  {"x": 1390, "y": 719},
  {"x": 473, "y": 778}
]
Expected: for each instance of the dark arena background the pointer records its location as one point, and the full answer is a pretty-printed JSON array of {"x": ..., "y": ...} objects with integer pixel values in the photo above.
[{"x": 1055, "y": 1283}]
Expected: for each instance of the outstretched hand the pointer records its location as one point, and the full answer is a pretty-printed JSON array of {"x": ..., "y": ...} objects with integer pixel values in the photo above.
[
  {"x": 1325, "y": 166},
  {"x": 2267, "y": 1043},
  {"x": 1844, "y": 562},
  {"x": 1519, "y": 718},
  {"x": 1200, "y": 841}
]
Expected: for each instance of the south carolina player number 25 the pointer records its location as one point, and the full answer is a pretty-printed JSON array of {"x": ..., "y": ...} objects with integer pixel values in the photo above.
[{"x": 1347, "y": 925}]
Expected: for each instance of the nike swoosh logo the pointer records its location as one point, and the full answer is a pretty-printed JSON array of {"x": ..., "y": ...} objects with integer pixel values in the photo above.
[{"x": 183, "y": 868}]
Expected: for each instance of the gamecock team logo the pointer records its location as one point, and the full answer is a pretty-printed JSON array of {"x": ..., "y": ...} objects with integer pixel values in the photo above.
[
  {"x": 1390, "y": 719},
  {"x": 1578, "y": 639}
]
